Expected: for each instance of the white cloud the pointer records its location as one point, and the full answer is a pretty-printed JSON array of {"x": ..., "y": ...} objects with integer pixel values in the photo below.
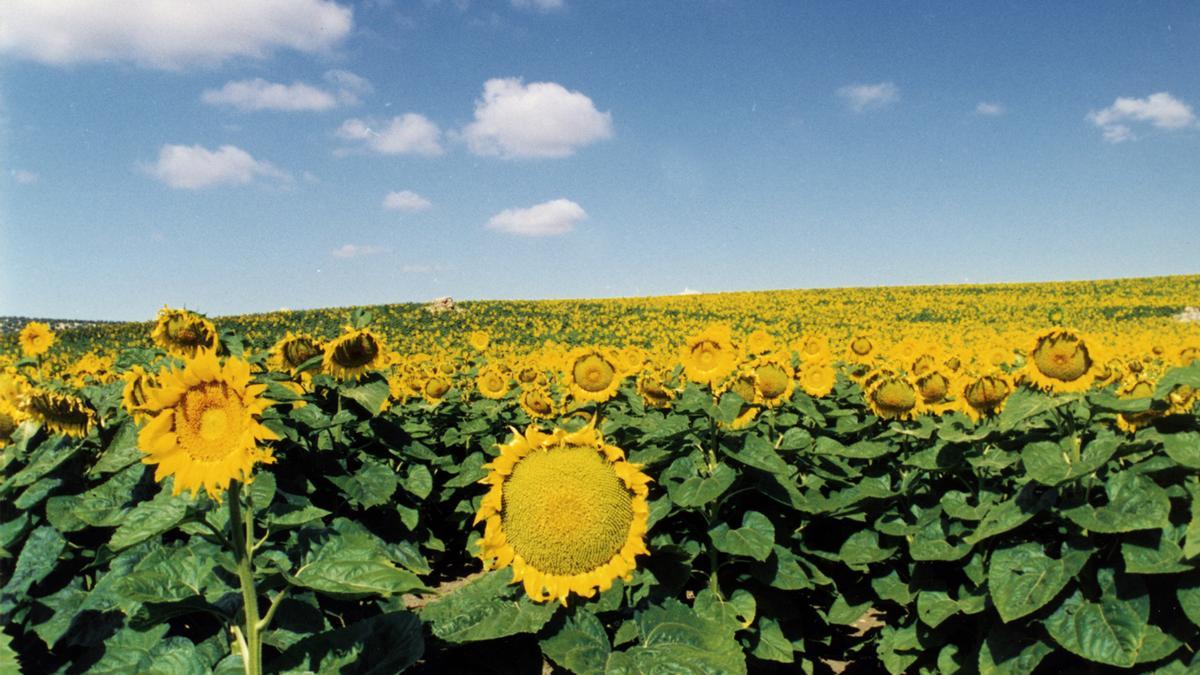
[
  {"x": 989, "y": 109},
  {"x": 862, "y": 97},
  {"x": 258, "y": 94},
  {"x": 540, "y": 119},
  {"x": 167, "y": 34},
  {"x": 408, "y": 134},
  {"x": 192, "y": 167},
  {"x": 357, "y": 250},
  {"x": 549, "y": 218},
  {"x": 540, "y": 5},
  {"x": 689, "y": 291},
  {"x": 405, "y": 200},
  {"x": 350, "y": 87},
  {"x": 24, "y": 177},
  {"x": 1160, "y": 110}
]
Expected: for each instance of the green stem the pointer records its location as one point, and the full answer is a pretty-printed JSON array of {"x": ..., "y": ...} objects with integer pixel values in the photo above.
[{"x": 243, "y": 543}]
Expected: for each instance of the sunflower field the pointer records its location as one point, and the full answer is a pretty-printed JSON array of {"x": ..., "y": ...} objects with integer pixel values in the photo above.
[{"x": 991, "y": 479}]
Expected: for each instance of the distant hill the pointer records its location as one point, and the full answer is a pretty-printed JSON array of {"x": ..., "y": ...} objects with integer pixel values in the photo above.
[{"x": 13, "y": 324}]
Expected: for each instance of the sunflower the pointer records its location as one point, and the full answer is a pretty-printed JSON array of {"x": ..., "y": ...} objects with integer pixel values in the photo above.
[
  {"x": 1182, "y": 399},
  {"x": 354, "y": 353},
  {"x": 773, "y": 381},
  {"x": 538, "y": 403},
  {"x": 760, "y": 342},
  {"x": 984, "y": 395},
  {"x": 709, "y": 356},
  {"x": 35, "y": 338},
  {"x": 565, "y": 511},
  {"x": 1061, "y": 361},
  {"x": 10, "y": 419},
  {"x": 205, "y": 430},
  {"x": 1136, "y": 387},
  {"x": 61, "y": 413},
  {"x": 817, "y": 378},
  {"x": 183, "y": 333},
  {"x": 860, "y": 348},
  {"x": 293, "y": 350},
  {"x": 892, "y": 396},
  {"x": 479, "y": 340},
  {"x": 135, "y": 394},
  {"x": 592, "y": 374},
  {"x": 813, "y": 347},
  {"x": 935, "y": 388},
  {"x": 435, "y": 387},
  {"x": 654, "y": 386},
  {"x": 492, "y": 382}
]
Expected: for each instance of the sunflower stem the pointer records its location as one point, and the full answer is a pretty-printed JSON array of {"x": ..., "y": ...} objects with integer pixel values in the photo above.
[{"x": 242, "y": 537}]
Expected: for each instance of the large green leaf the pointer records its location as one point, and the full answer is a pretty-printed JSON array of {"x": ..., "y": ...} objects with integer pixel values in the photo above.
[
  {"x": 485, "y": 609},
  {"x": 120, "y": 452},
  {"x": 1052, "y": 463},
  {"x": 372, "y": 485},
  {"x": 1011, "y": 651},
  {"x": 1135, "y": 502},
  {"x": 8, "y": 657},
  {"x": 1111, "y": 631},
  {"x": 353, "y": 563},
  {"x": 863, "y": 547},
  {"x": 371, "y": 394},
  {"x": 696, "y": 491},
  {"x": 134, "y": 651},
  {"x": 580, "y": 646},
  {"x": 378, "y": 645},
  {"x": 760, "y": 454},
  {"x": 753, "y": 539},
  {"x": 1023, "y": 578},
  {"x": 1183, "y": 447},
  {"x": 674, "y": 639},
  {"x": 38, "y": 557},
  {"x": 150, "y": 518}
]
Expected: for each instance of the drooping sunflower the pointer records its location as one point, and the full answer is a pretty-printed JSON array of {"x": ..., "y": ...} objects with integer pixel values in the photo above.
[
  {"x": 936, "y": 390},
  {"x": 435, "y": 387},
  {"x": 892, "y": 396},
  {"x": 135, "y": 394},
  {"x": 10, "y": 419},
  {"x": 293, "y": 350},
  {"x": 709, "y": 356},
  {"x": 773, "y": 380},
  {"x": 61, "y": 413},
  {"x": 984, "y": 395},
  {"x": 565, "y": 511},
  {"x": 1061, "y": 360},
  {"x": 35, "y": 338},
  {"x": 538, "y": 403},
  {"x": 593, "y": 374},
  {"x": 492, "y": 382},
  {"x": 355, "y": 352},
  {"x": 1136, "y": 387},
  {"x": 183, "y": 333},
  {"x": 759, "y": 341},
  {"x": 656, "y": 387},
  {"x": 205, "y": 429}
]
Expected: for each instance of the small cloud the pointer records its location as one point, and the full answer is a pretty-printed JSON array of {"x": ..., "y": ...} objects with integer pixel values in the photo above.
[
  {"x": 405, "y": 200},
  {"x": 862, "y": 97},
  {"x": 357, "y": 251},
  {"x": 193, "y": 167},
  {"x": 24, "y": 177},
  {"x": 689, "y": 291},
  {"x": 539, "y": 5},
  {"x": 310, "y": 177},
  {"x": 258, "y": 94},
  {"x": 350, "y": 88},
  {"x": 554, "y": 217},
  {"x": 168, "y": 35},
  {"x": 989, "y": 109},
  {"x": 1160, "y": 110},
  {"x": 539, "y": 119},
  {"x": 408, "y": 134}
]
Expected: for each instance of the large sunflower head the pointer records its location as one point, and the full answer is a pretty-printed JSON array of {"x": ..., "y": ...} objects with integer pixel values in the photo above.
[
  {"x": 61, "y": 413},
  {"x": 861, "y": 348},
  {"x": 205, "y": 428},
  {"x": 183, "y": 333},
  {"x": 813, "y": 347},
  {"x": 1060, "y": 360},
  {"x": 435, "y": 386},
  {"x": 35, "y": 338},
  {"x": 709, "y": 356},
  {"x": 760, "y": 341},
  {"x": 294, "y": 349},
  {"x": 565, "y": 511},
  {"x": 357, "y": 351},
  {"x": 492, "y": 382},
  {"x": 817, "y": 378},
  {"x": 773, "y": 380},
  {"x": 984, "y": 395},
  {"x": 593, "y": 374},
  {"x": 892, "y": 396},
  {"x": 935, "y": 388}
]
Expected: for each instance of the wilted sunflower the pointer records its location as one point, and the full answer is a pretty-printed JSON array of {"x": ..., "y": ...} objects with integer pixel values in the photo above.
[
  {"x": 492, "y": 382},
  {"x": 984, "y": 395},
  {"x": 61, "y": 413},
  {"x": 135, "y": 395},
  {"x": 565, "y": 511},
  {"x": 654, "y": 387},
  {"x": 435, "y": 387},
  {"x": 205, "y": 430},
  {"x": 10, "y": 419},
  {"x": 183, "y": 333},
  {"x": 709, "y": 356},
  {"x": 935, "y": 388},
  {"x": 1136, "y": 387},
  {"x": 892, "y": 396},
  {"x": 1061, "y": 361},
  {"x": 538, "y": 403},
  {"x": 593, "y": 374},
  {"x": 35, "y": 338},
  {"x": 354, "y": 353},
  {"x": 293, "y": 350}
]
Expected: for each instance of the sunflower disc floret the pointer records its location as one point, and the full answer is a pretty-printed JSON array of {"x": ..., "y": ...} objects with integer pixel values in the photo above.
[
  {"x": 565, "y": 511},
  {"x": 204, "y": 429}
]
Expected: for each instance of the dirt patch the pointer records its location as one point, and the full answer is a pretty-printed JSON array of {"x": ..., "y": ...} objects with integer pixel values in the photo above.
[{"x": 417, "y": 601}]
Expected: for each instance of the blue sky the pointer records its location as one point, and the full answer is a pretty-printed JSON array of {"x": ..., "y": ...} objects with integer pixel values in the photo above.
[{"x": 248, "y": 156}]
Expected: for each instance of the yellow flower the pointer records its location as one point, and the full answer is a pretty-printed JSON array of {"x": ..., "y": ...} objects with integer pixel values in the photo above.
[
  {"x": 984, "y": 395},
  {"x": 891, "y": 396},
  {"x": 538, "y": 403},
  {"x": 860, "y": 348},
  {"x": 435, "y": 388},
  {"x": 205, "y": 430},
  {"x": 61, "y": 413},
  {"x": 709, "y": 356},
  {"x": 1060, "y": 360},
  {"x": 1136, "y": 387},
  {"x": 759, "y": 342},
  {"x": 817, "y": 378},
  {"x": 183, "y": 333},
  {"x": 565, "y": 511},
  {"x": 593, "y": 374},
  {"x": 354, "y": 353},
  {"x": 135, "y": 395},
  {"x": 935, "y": 389},
  {"x": 478, "y": 340},
  {"x": 9, "y": 420},
  {"x": 492, "y": 382},
  {"x": 773, "y": 381},
  {"x": 294, "y": 349},
  {"x": 35, "y": 338},
  {"x": 654, "y": 388}
]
